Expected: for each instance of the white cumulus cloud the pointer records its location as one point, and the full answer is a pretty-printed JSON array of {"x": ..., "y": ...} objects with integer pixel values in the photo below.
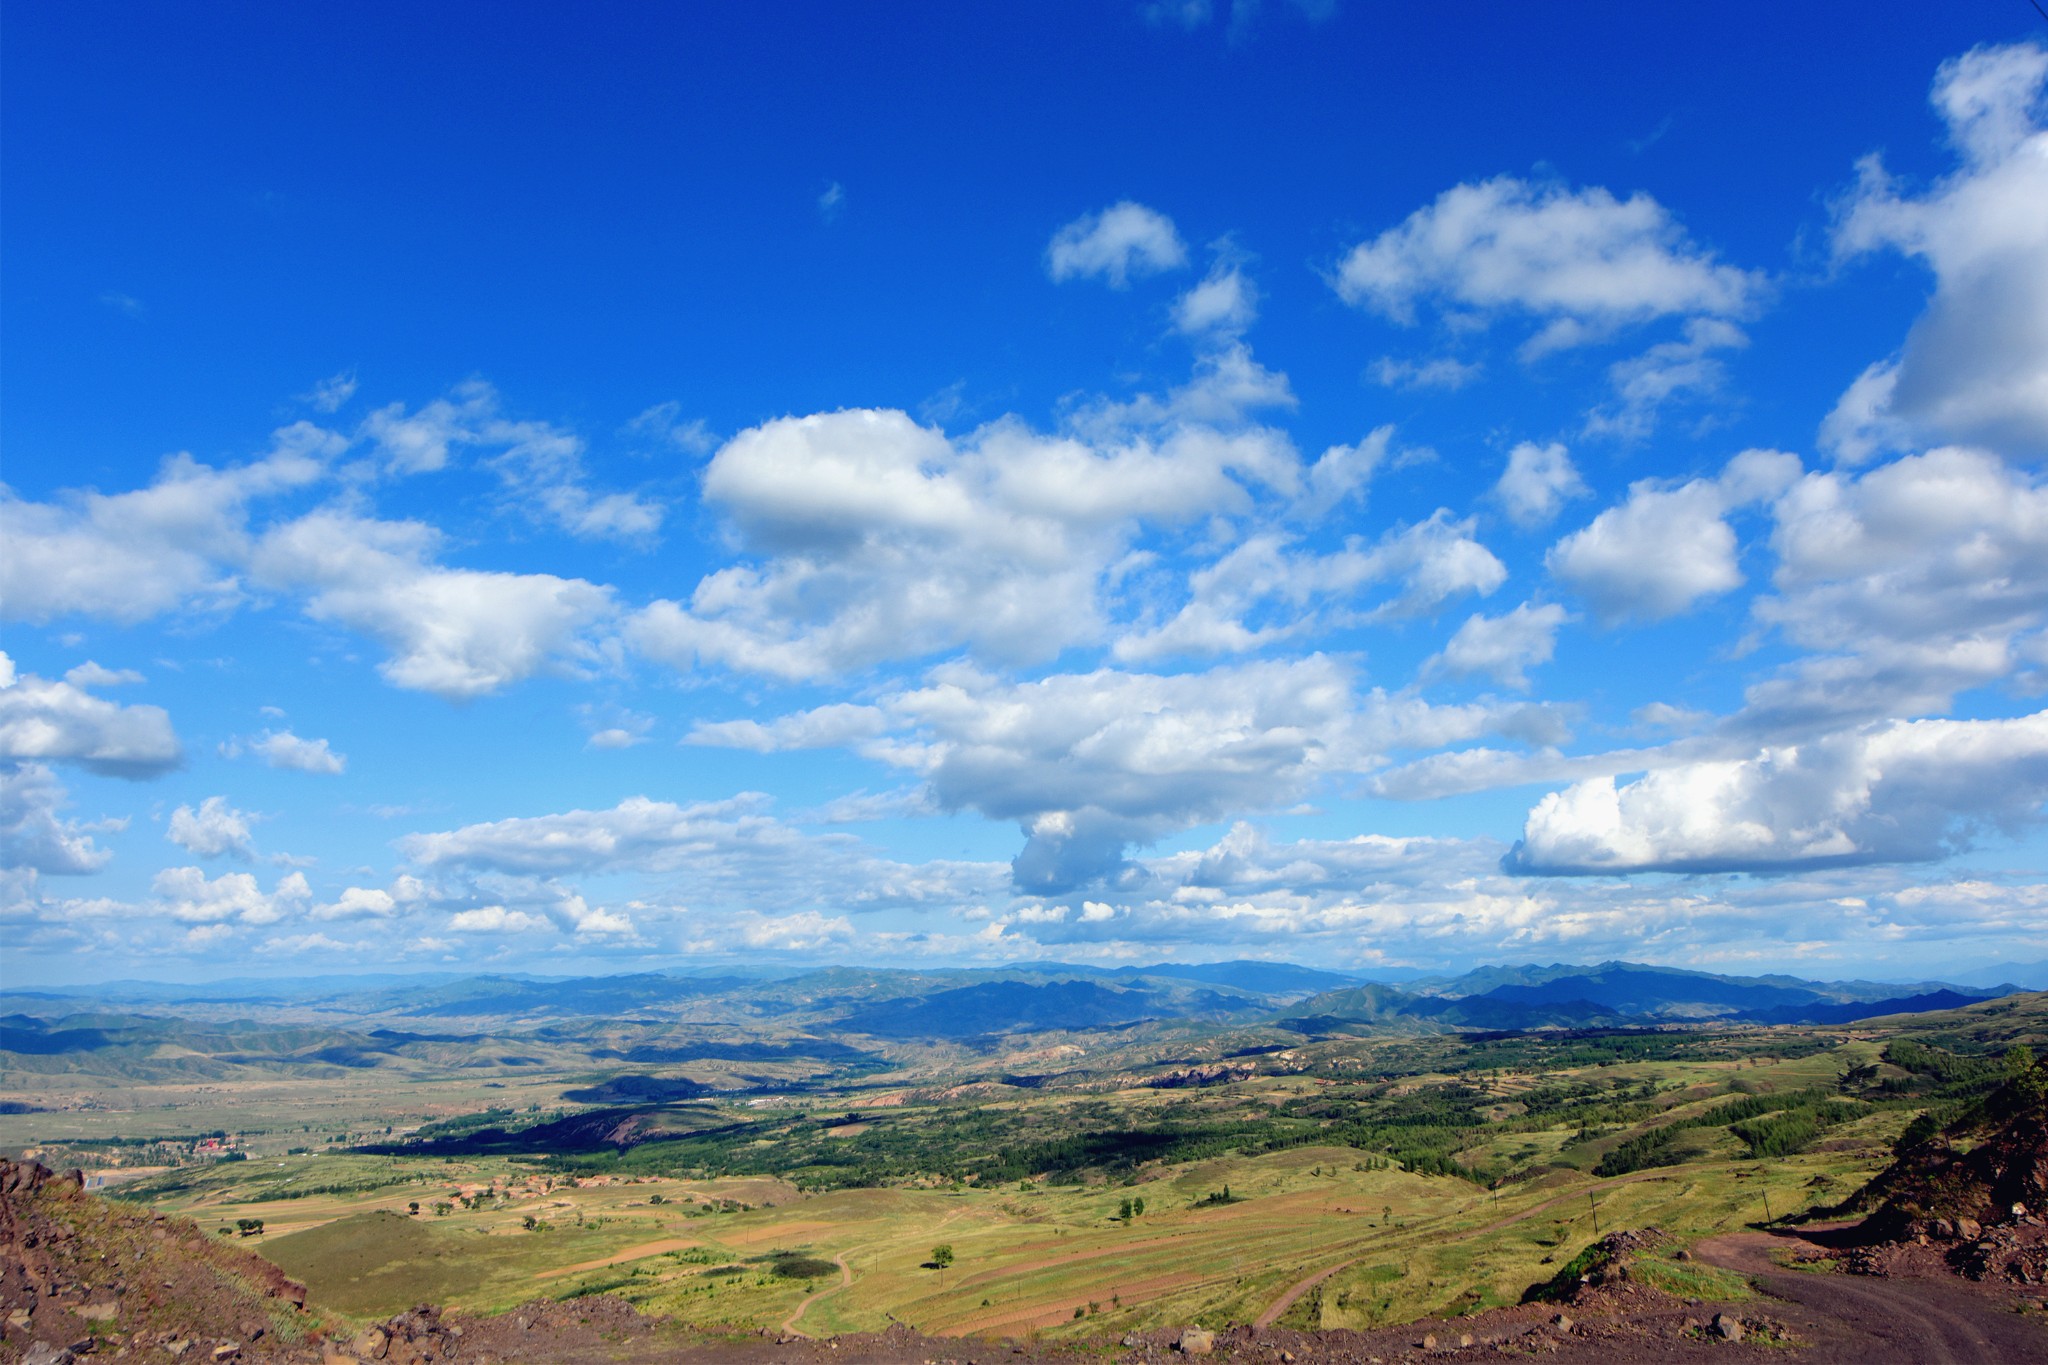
[
  {"x": 283, "y": 749},
  {"x": 1537, "y": 483},
  {"x": 48, "y": 721},
  {"x": 1911, "y": 581},
  {"x": 186, "y": 894},
  {"x": 135, "y": 555},
  {"x": 33, "y": 836},
  {"x": 1123, "y": 240},
  {"x": 1503, "y": 647},
  {"x": 1975, "y": 366},
  {"x": 1665, "y": 549},
  {"x": 458, "y": 633},
  {"x": 1899, "y": 791},
  {"x": 1582, "y": 260},
  {"x": 873, "y": 538},
  {"x": 496, "y": 919},
  {"x": 358, "y": 902},
  {"x": 211, "y": 830},
  {"x": 1224, "y": 302}
]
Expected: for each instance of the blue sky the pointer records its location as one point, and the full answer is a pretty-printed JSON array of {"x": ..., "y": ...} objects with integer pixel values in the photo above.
[{"x": 573, "y": 489}]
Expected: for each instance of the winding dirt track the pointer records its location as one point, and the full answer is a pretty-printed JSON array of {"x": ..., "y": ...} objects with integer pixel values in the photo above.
[
  {"x": 845, "y": 1278},
  {"x": 1295, "y": 1291},
  {"x": 1878, "y": 1321}
]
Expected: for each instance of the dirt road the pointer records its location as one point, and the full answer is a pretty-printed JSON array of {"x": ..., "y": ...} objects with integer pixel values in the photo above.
[
  {"x": 845, "y": 1278},
  {"x": 1863, "y": 1321}
]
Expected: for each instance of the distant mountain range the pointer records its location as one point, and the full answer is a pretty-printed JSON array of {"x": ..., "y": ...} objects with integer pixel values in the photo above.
[{"x": 823, "y": 1009}]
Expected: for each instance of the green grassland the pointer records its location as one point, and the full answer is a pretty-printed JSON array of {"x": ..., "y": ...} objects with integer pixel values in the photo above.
[{"x": 1436, "y": 1173}]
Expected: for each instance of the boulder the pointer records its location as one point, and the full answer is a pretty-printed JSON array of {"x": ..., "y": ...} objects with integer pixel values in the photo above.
[
  {"x": 1727, "y": 1328},
  {"x": 1196, "y": 1341}
]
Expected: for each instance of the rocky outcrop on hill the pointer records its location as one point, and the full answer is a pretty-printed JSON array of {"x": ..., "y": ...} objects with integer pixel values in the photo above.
[
  {"x": 1604, "y": 1264},
  {"x": 1974, "y": 1189},
  {"x": 1215, "y": 1073},
  {"x": 79, "y": 1275},
  {"x": 1986, "y": 1167}
]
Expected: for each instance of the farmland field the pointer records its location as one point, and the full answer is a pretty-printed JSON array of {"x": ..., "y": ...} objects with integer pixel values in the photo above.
[{"x": 1166, "y": 1174}]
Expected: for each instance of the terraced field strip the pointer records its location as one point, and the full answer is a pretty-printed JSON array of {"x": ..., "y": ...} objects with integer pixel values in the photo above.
[
  {"x": 1233, "y": 1252},
  {"x": 634, "y": 1253},
  {"x": 1043, "y": 1312}
]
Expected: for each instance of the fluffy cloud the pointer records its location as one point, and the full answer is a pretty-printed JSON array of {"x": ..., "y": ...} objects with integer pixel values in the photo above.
[
  {"x": 1428, "y": 564},
  {"x": 332, "y": 393},
  {"x": 1504, "y": 647},
  {"x": 1089, "y": 763},
  {"x": 459, "y": 633},
  {"x": 1224, "y": 302},
  {"x": 1123, "y": 240},
  {"x": 131, "y": 556},
  {"x": 358, "y": 902},
  {"x": 542, "y": 466},
  {"x": 295, "y": 945},
  {"x": 722, "y": 859},
  {"x": 882, "y": 539},
  {"x": 1344, "y": 473},
  {"x": 1668, "y": 372},
  {"x": 46, "y": 721},
  {"x": 186, "y": 894},
  {"x": 1913, "y": 581},
  {"x": 1361, "y": 901},
  {"x": 283, "y": 749},
  {"x": 539, "y": 465},
  {"x": 90, "y": 674},
  {"x": 1902, "y": 791},
  {"x": 596, "y": 922},
  {"x": 1665, "y": 549},
  {"x": 614, "y": 727},
  {"x": 1536, "y": 484},
  {"x": 826, "y": 727},
  {"x": 496, "y": 919},
  {"x": 806, "y": 931},
  {"x": 1582, "y": 261},
  {"x": 33, "y": 836},
  {"x": 420, "y": 442},
  {"x": 1975, "y": 367},
  {"x": 637, "y": 833},
  {"x": 212, "y": 829}
]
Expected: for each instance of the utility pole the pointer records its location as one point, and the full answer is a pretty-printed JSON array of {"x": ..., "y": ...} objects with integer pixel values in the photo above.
[
  {"x": 1767, "y": 1206},
  {"x": 1592, "y": 1204}
]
